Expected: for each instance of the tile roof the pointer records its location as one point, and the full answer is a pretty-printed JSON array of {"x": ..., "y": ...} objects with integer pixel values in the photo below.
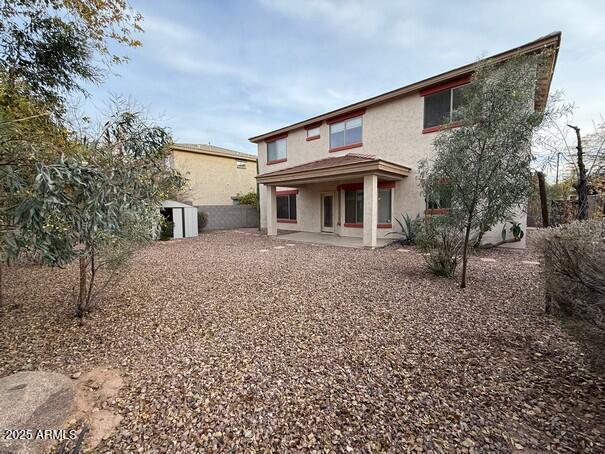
[
  {"x": 329, "y": 163},
  {"x": 326, "y": 163}
]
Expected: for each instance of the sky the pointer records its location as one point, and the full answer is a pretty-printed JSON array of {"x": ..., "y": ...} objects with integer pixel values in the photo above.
[{"x": 221, "y": 72}]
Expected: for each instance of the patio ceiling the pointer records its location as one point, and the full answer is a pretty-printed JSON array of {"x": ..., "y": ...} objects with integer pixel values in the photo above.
[{"x": 352, "y": 165}]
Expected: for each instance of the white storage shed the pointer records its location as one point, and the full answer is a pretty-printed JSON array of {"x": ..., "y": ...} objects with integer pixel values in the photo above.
[{"x": 182, "y": 216}]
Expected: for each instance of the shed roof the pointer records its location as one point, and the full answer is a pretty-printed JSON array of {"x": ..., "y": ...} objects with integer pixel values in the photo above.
[{"x": 175, "y": 204}]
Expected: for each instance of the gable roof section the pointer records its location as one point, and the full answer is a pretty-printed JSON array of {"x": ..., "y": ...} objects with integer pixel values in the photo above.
[
  {"x": 212, "y": 151},
  {"x": 551, "y": 41},
  {"x": 349, "y": 164}
]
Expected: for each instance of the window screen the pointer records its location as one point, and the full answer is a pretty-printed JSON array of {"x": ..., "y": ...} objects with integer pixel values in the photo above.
[{"x": 437, "y": 108}]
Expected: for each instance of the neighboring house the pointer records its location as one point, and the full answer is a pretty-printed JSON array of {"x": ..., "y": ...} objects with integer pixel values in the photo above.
[
  {"x": 215, "y": 178},
  {"x": 215, "y": 175},
  {"x": 351, "y": 171}
]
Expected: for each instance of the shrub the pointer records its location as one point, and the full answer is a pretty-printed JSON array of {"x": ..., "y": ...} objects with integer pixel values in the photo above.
[
  {"x": 440, "y": 239},
  {"x": 202, "y": 220},
  {"x": 409, "y": 229},
  {"x": 574, "y": 256},
  {"x": 248, "y": 199},
  {"x": 166, "y": 231}
]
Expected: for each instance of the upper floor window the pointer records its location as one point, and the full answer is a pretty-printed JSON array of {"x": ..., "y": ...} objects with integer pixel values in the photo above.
[
  {"x": 347, "y": 132},
  {"x": 313, "y": 133},
  {"x": 276, "y": 150},
  {"x": 240, "y": 164},
  {"x": 440, "y": 107}
]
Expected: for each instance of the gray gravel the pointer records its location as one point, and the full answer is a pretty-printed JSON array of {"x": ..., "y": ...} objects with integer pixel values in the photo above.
[{"x": 224, "y": 347}]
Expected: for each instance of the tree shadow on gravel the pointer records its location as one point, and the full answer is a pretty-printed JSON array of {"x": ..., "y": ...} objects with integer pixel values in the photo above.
[{"x": 591, "y": 340}]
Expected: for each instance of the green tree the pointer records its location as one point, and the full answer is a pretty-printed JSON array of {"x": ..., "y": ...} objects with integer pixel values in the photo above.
[
  {"x": 485, "y": 163},
  {"x": 96, "y": 206},
  {"x": 50, "y": 47},
  {"x": 249, "y": 198}
]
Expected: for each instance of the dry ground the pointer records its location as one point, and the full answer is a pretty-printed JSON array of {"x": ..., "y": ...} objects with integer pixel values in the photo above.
[{"x": 304, "y": 347}]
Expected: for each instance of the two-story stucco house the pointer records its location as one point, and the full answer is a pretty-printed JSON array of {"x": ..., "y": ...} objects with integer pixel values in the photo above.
[
  {"x": 215, "y": 175},
  {"x": 349, "y": 172}
]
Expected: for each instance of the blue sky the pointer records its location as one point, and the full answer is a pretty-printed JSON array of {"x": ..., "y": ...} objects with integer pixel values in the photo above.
[{"x": 223, "y": 71}]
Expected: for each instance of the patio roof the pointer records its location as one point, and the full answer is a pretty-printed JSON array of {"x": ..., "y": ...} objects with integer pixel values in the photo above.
[{"x": 335, "y": 168}]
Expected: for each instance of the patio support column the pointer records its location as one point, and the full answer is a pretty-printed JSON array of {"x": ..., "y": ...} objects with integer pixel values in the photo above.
[
  {"x": 271, "y": 210},
  {"x": 370, "y": 210}
]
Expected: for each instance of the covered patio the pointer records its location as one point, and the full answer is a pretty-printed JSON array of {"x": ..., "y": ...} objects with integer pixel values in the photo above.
[{"x": 320, "y": 188}]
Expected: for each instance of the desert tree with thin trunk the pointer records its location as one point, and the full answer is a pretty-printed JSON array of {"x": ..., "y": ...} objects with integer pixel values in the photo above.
[
  {"x": 98, "y": 205},
  {"x": 49, "y": 50},
  {"x": 484, "y": 157}
]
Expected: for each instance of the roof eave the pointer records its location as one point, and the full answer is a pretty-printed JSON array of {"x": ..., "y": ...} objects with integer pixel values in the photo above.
[
  {"x": 250, "y": 158},
  {"x": 551, "y": 40},
  {"x": 335, "y": 172}
]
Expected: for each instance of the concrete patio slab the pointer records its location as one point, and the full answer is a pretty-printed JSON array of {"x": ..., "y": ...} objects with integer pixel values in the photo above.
[{"x": 330, "y": 239}]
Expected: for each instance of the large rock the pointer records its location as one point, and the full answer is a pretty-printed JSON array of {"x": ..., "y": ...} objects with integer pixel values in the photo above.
[{"x": 33, "y": 401}]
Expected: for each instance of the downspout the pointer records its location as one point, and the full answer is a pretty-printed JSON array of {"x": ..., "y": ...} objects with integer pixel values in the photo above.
[{"x": 258, "y": 195}]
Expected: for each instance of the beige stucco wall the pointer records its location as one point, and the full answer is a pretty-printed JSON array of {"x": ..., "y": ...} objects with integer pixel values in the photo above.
[
  {"x": 392, "y": 131},
  {"x": 213, "y": 180}
]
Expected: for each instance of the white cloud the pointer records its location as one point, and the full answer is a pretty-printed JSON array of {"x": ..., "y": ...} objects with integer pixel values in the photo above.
[{"x": 225, "y": 74}]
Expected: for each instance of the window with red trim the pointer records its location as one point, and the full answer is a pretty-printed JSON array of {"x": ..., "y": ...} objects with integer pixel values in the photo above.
[
  {"x": 345, "y": 133},
  {"x": 440, "y": 107},
  {"x": 439, "y": 200},
  {"x": 354, "y": 206},
  {"x": 384, "y": 205},
  {"x": 313, "y": 133},
  {"x": 276, "y": 150},
  {"x": 286, "y": 207}
]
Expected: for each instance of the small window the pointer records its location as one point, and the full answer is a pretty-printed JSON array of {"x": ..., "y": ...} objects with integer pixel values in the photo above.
[
  {"x": 346, "y": 132},
  {"x": 276, "y": 150},
  {"x": 440, "y": 107},
  {"x": 286, "y": 207},
  {"x": 313, "y": 133},
  {"x": 240, "y": 164}
]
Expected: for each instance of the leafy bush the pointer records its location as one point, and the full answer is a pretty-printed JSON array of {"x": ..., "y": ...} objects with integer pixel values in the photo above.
[
  {"x": 440, "y": 239},
  {"x": 166, "y": 231},
  {"x": 409, "y": 229},
  {"x": 574, "y": 257},
  {"x": 202, "y": 220},
  {"x": 248, "y": 199}
]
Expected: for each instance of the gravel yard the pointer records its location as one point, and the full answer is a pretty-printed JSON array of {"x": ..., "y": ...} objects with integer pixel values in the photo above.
[{"x": 305, "y": 347}]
